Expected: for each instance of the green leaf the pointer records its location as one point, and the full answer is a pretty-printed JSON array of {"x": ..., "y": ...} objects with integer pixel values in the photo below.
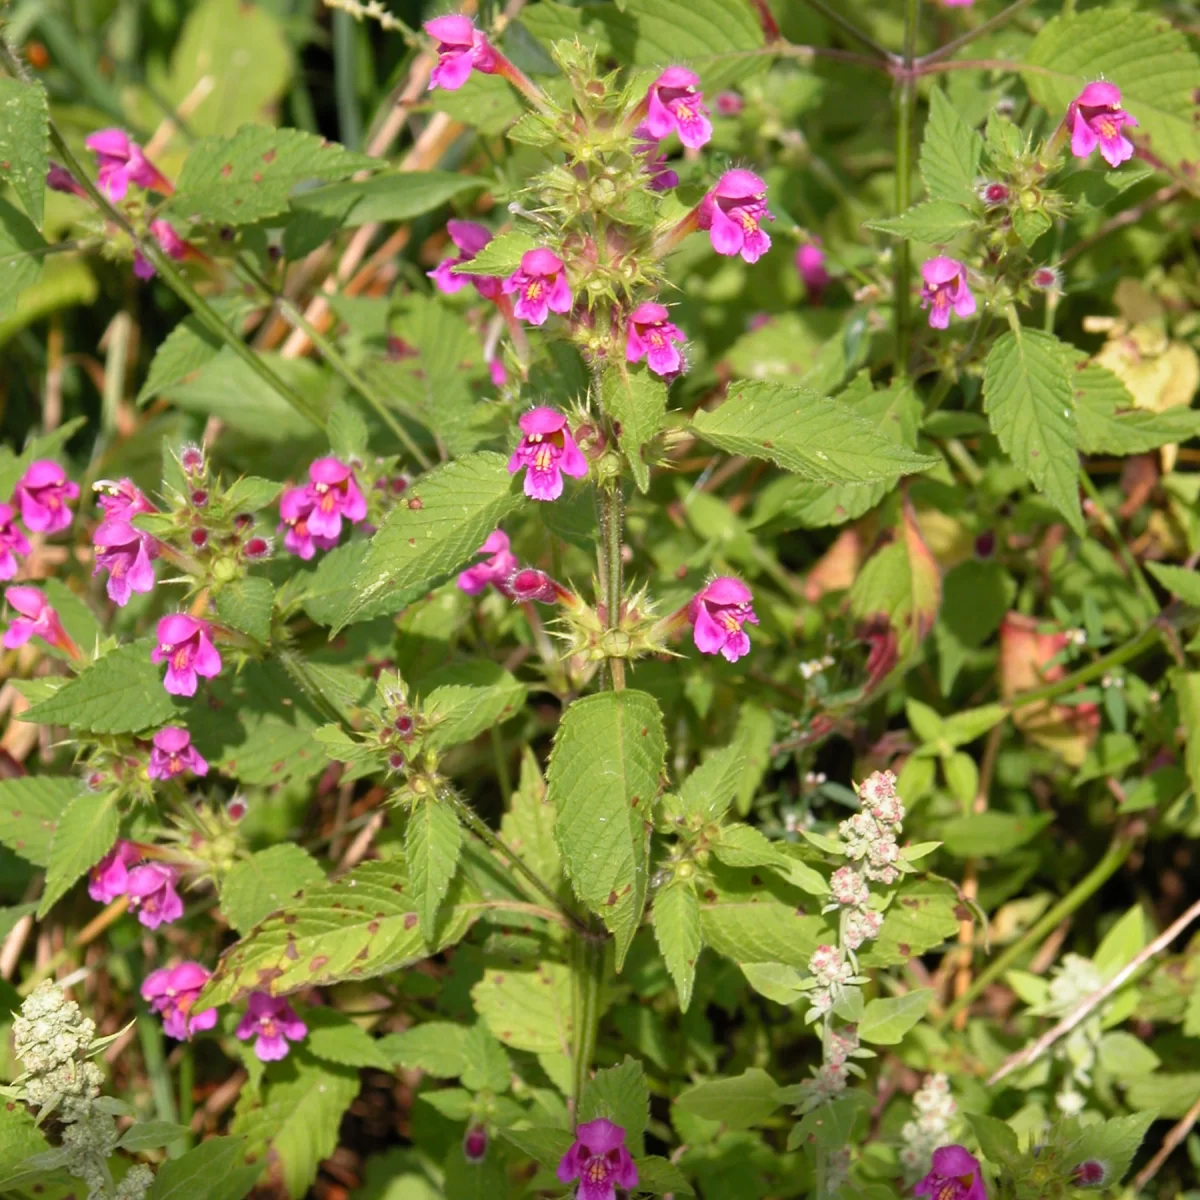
[
  {"x": 150, "y": 1135},
  {"x": 21, "y": 255},
  {"x": 432, "y": 844},
  {"x": 296, "y": 1117},
  {"x": 246, "y": 606},
  {"x": 997, "y": 1140},
  {"x": 1114, "y": 1142},
  {"x": 436, "y": 532},
  {"x": 950, "y": 153},
  {"x": 392, "y": 197},
  {"x": 12, "y": 916},
  {"x": 676, "y": 917},
  {"x": 1179, "y": 581},
  {"x": 486, "y": 1064},
  {"x": 962, "y": 728},
  {"x": 922, "y": 915},
  {"x": 501, "y": 256},
  {"x": 251, "y": 493},
  {"x": 189, "y": 347},
  {"x": 334, "y": 1037},
  {"x": 745, "y": 846},
  {"x": 660, "y": 1176},
  {"x": 936, "y": 222},
  {"x": 214, "y": 1170},
  {"x": 604, "y": 770},
  {"x": 358, "y": 927},
  {"x": 740, "y": 1102},
  {"x": 814, "y": 436},
  {"x": 347, "y": 431},
  {"x": 711, "y": 788},
  {"x": 1186, "y": 686},
  {"x": 25, "y": 142},
  {"x": 263, "y": 883},
  {"x": 528, "y": 1010},
  {"x": 989, "y": 834},
  {"x": 460, "y": 712},
  {"x": 20, "y": 1140},
  {"x": 247, "y": 177},
  {"x": 1028, "y": 397},
  {"x": 621, "y": 1095},
  {"x": 1109, "y": 422},
  {"x": 30, "y": 809},
  {"x": 637, "y": 402},
  {"x": 528, "y": 826},
  {"x": 120, "y": 693},
  {"x": 436, "y": 1047},
  {"x": 542, "y": 1143},
  {"x": 83, "y": 835},
  {"x": 886, "y": 1021},
  {"x": 73, "y": 611}
]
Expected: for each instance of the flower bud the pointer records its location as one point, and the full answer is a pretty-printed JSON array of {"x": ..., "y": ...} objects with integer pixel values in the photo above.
[{"x": 475, "y": 1144}]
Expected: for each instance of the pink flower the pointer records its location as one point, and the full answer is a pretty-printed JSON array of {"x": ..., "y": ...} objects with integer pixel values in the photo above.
[
  {"x": 651, "y": 336},
  {"x": 174, "y": 753},
  {"x": 718, "y": 612},
  {"x": 172, "y": 992},
  {"x": 955, "y": 1176},
  {"x": 733, "y": 212},
  {"x": 122, "y": 500},
  {"x": 272, "y": 1021},
  {"x": 152, "y": 894},
  {"x": 810, "y": 262},
  {"x": 335, "y": 494},
  {"x": 599, "y": 1160},
  {"x": 37, "y": 619},
  {"x": 59, "y": 179},
  {"x": 498, "y": 372},
  {"x": 662, "y": 178},
  {"x": 549, "y": 451},
  {"x": 531, "y": 584},
  {"x": 460, "y": 47},
  {"x": 169, "y": 242},
  {"x": 120, "y": 162},
  {"x": 945, "y": 288},
  {"x": 109, "y": 878},
  {"x": 295, "y": 508},
  {"x": 729, "y": 104},
  {"x": 125, "y": 553},
  {"x": 12, "y": 542},
  {"x": 43, "y": 495},
  {"x": 542, "y": 285},
  {"x": 185, "y": 645},
  {"x": 957, "y": 3},
  {"x": 500, "y": 564},
  {"x": 470, "y": 237},
  {"x": 675, "y": 103},
  {"x": 1096, "y": 118}
]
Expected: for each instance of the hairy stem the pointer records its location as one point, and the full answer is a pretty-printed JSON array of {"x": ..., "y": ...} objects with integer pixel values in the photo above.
[
  {"x": 611, "y": 514},
  {"x": 906, "y": 102},
  {"x": 588, "y": 960}
]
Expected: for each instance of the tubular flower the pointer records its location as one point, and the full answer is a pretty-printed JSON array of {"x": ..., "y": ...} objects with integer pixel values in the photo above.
[
  {"x": 169, "y": 242},
  {"x": 12, "y": 542},
  {"x": 651, "y": 336},
  {"x": 185, "y": 645},
  {"x": 461, "y": 48},
  {"x": 549, "y": 451},
  {"x": 59, "y": 179},
  {"x": 172, "y": 991},
  {"x": 173, "y": 753},
  {"x": 125, "y": 553},
  {"x": 676, "y": 104},
  {"x": 810, "y": 262},
  {"x": 945, "y": 288},
  {"x": 600, "y": 1161},
  {"x": 109, "y": 878},
  {"x": 151, "y": 892},
  {"x": 531, "y": 584},
  {"x": 470, "y": 237},
  {"x": 718, "y": 612},
  {"x": 336, "y": 494},
  {"x": 956, "y": 1175},
  {"x": 122, "y": 500},
  {"x": 497, "y": 567},
  {"x": 43, "y": 494},
  {"x": 1096, "y": 118},
  {"x": 541, "y": 286},
  {"x": 37, "y": 619},
  {"x": 120, "y": 162},
  {"x": 733, "y": 213},
  {"x": 295, "y": 508},
  {"x": 272, "y": 1022},
  {"x": 662, "y": 178}
]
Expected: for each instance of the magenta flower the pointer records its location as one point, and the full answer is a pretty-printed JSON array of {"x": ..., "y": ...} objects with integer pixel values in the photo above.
[
  {"x": 173, "y": 991},
  {"x": 531, "y": 584},
  {"x": 955, "y": 1175},
  {"x": 945, "y": 288},
  {"x": 729, "y": 104},
  {"x": 676, "y": 104},
  {"x": 549, "y": 451},
  {"x": 37, "y": 619},
  {"x": 122, "y": 500},
  {"x": 109, "y": 878},
  {"x": 475, "y": 1143},
  {"x": 1096, "y": 118},
  {"x": 957, "y": 3},
  {"x": 185, "y": 645},
  {"x": 43, "y": 495},
  {"x": 174, "y": 753},
  {"x": 717, "y": 613},
  {"x": 542, "y": 286},
  {"x": 152, "y": 894},
  {"x": 810, "y": 262},
  {"x": 295, "y": 508},
  {"x": 662, "y": 178},
  {"x": 650, "y": 336},
  {"x": 461, "y": 47},
  {"x": 599, "y": 1160},
  {"x": 120, "y": 162},
  {"x": 470, "y": 237},
  {"x": 498, "y": 372},
  {"x": 335, "y": 494},
  {"x": 733, "y": 213},
  {"x": 59, "y": 179},
  {"x": 273, "y": 1023},
  {"x": 500, "y": 564},
  {"x": 169, "y": 242},
  {"x": 125, "y": 553},
  {"x": 12, "y": 542}
]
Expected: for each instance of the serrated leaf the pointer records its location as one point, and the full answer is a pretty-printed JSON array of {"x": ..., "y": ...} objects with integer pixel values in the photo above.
[
  {"x": 214, "y": 1170},
  {"x": 637, "y": 402},
  {"x": 247, "y": 177},
  {"x": 83, "y": 835},
  {"x": 30, "y": 809},
  {"x": 1114, "y": 1142},
  {"x": 542, "y": 1143},
  {"x": 246, "y": 606},
  {"x": 740, "y": 1102},
  {"x": 1109, "y": 422},
  {"x": 501, "y": 256},
  {"x": 20, "y": 1140},
  {"x": 263, "y": 883},
  {"x": 676, "y": 917},
  {"x": 1179, "y": 581},
  {"x": 935, "y": 221},
  {"x": 621, "y": 1095},
  {"x": 887, "y": 1020},
  {"x": 712, "y": 787},
  {"x": 950, "y": 153},
  {"x": 251, "y": 493},
  {"x": 962, "y": 728},
  {"x": 358, "y": 927},
  {"x": 419, "y": 546},
  {"x": 334, "y": 1037},
  {"x": 819, "y": 438},
  {"x": 990, "y": 833},
  {"x": 604, "y": 771},
  {"x": 1028, "y": 397},
  {"x": 486, "y": 1064},
  {"x": 347, "y": 431},
  {"x": 528, "y": 1010},
  {"x": 432, "y": 844},
  {"x": 745, "y": 846},
  {"x": 660, "y": 1177},
  {"x": 460, "y": 712},
  {"x": 24, "y": 143},
  {"x": 922, "y": 915},
  {"x": 22, "y": 251},
  {"x": 997, "y": 1140},
  {"x": 436, "y": 1047},
  {"x": 528, "y": 826},
  {"x": 391, "y": 197}
]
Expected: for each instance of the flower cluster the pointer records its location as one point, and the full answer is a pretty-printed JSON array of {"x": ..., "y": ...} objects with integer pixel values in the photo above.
[
  {"x": 870, "y": 835},
  {"x": 935, "y": 1116},
  {"x": 149, "y": 886},
  {"x": 43, "y": 496},
  {"x": 311, "y": 516}
]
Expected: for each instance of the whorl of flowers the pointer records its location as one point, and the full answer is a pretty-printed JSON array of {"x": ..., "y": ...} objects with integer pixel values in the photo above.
[{"x": 935, "y": 1116}]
